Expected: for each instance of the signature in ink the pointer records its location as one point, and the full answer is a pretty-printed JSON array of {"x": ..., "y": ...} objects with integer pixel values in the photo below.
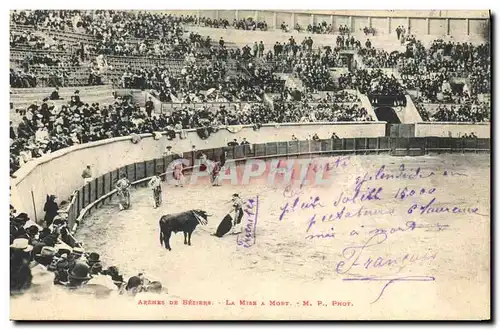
[
  {"x": 389, "y": 280},
  {"x": 356, "y": 257}
]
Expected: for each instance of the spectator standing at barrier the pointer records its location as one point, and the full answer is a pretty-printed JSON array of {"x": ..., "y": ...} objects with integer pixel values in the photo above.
[
  {"x": 168, "y": 151},
  {"x": 223, "y": 158},
  {"x": 12, "y": 132},
  {"x": 398, "y": 31},
  {"x": 87, "y": 175},
  {"x": 55, "y": 94},
  {"x": 261, "y": 49},
  {"x": 233, "y": 143},
  {"x": 255, "y": 49},
  {"x": 51, "y": 208},
  {"x": 155, "y": 185},
  {"x": 149, "y": 107}
]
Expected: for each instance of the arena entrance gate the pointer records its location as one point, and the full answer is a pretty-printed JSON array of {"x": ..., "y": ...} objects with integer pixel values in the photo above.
[
  {"x": 400, "y": 130},
  {"x": 348, "y": 56}
]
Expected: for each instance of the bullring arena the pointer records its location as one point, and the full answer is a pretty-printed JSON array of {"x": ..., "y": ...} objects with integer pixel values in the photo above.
[{"x": 386, "y": 214}]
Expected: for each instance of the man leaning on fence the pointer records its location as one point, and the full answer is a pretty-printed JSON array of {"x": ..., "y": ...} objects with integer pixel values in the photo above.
[{"x": 87, "y": 175}]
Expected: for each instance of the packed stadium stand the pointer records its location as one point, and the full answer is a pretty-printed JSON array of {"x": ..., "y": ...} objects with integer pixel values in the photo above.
[{"x": 83, "y": 76}]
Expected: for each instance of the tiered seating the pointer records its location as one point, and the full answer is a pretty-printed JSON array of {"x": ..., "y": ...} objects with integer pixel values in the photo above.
[
  {"x": 18, "y": 55},
  {"x": 23, "y": 97}
]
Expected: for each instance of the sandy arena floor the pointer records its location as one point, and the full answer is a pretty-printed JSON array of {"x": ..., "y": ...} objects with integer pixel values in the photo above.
[{"x": 288, "y": 264}]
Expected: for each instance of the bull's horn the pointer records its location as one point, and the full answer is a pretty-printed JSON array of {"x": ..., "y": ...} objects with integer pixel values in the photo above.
[{"x": 209, "y": 215}]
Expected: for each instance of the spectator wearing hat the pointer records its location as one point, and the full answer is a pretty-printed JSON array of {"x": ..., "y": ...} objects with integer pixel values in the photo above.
[
  {"x": 87, "y": 175},
  {"x": 154, "y": 287},
  {"x": 261, "y": 49},
  {"x": 93, "y": 258},
  {"x": 20, "y": 272},
  {"x": 134, "y": 286},
  {"x": 96, "y": 268},
  {"x": 233, "y": 143},
  {"x": 46, "y": 254},
  {"x": 114, "y": 273},
  {"x": 55, "y": 94},
  {"x": 77, "y": 253},
  {"x": 78, "y": 276},
  {"x": 22, "y": 244},
  {"x": 61, "y": 267},
  {"x": 32, "y": 232},
  {"x": 150, "y": 291},
  {"x": 17, "y": 226},
  {"x": 12, "y": 133},
  {"x": 50, "y": 240},
  {"x": 43, "y": 234},
  {"x": 75, "y": 99},
  {"x": 168, "y": 151},
  {"x": 149, "y": 106},
  {"x": 51, "y": 209},
  {"x": 223, "y": 157}
]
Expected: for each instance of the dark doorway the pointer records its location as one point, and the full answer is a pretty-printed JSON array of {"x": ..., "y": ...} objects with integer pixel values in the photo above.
[
  {"x": 387, "y": 114},
  {"x": 349, "y": 58}
]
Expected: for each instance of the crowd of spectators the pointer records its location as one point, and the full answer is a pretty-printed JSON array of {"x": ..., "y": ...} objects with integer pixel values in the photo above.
[
  {"x": 27, "y": 40},
  {"x": 46, "y": 128},
  {"x": 53, "y": 19},
  {"x": 162, "y": 35},
  {"x": 442, "y": 61},
  {"x": 194, "y": 82},
  {"x": 338, "y": 97},
  {"x": 20, "y": 78},
  {"x": 41, "y": 258},
  {"x": 239, "y": 24},
  {"x": 312, "y": 67},
  {"x": 343, "y": 29},
  {"x": 322, "y": 28},
  {"x": 348, "y": 42},
  {"x": 469, "y": 112},
  {"x": 44, "y": 60},
  {"x": 379, "y": 58},
  {"x": 305, "y": 111},
  {"x": 371, "y": 82}
]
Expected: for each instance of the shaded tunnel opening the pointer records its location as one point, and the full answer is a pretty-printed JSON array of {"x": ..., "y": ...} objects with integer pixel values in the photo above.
[{"x": 387, "y": 114}]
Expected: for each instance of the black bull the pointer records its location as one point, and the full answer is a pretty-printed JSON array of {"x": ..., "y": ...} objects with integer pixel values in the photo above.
[{"x": 185, "y": 222}]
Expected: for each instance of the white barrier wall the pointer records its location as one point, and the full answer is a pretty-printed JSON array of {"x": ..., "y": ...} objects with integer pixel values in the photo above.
[
  {"x": 482, "y": 130},
  {"x": 60, "y": 173}
]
